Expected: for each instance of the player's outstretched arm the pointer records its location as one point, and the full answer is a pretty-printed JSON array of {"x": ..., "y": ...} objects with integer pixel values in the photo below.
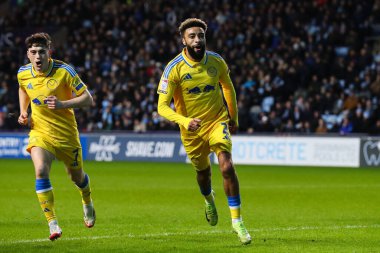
[
  {"x": 229, "y": 96},
  {"x": 24, "y": 102},
  {"x": 83, "y": 100},
  {"x": 168, "y": 113}
]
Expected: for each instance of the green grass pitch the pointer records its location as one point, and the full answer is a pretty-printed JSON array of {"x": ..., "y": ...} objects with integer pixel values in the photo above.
[{"x": 157, "y": 207}]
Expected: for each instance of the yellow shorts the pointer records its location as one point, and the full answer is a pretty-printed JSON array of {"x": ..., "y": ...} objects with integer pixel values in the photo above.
[
  {"x": 69, "y": 152},
  {"x": 200, "y": 144}
]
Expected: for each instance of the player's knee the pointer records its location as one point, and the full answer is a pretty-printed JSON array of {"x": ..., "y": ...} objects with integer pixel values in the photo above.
[
  {"x": 228, "y": 170},
  {"x": 42, "y": 171},
  {"x": 204, "y": 174}
]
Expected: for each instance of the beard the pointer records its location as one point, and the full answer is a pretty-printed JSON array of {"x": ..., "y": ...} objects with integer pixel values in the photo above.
[{"x": 197, "y": 56}]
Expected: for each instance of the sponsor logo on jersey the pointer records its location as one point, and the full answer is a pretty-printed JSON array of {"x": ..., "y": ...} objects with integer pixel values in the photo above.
[
  {"x": 40, "y": 100},
  {"x": 195, "y": 90},
  {"x": 208, "y": 88}
]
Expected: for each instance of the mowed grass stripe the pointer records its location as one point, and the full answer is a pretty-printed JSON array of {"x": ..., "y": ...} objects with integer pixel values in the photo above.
[
  {"x": 192, "y": 233},
  {"x": 157, "y": 207}
]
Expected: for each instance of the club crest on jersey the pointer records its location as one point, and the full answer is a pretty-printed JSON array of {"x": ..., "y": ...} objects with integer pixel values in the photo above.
[
  {"x": 163, "y": 88},
  {"x": 52, "y": 84},
  {"x": 211, "y": 71}
]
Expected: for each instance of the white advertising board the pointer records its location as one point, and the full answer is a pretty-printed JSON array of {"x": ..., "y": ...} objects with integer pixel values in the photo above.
[{"x": 308, "y": 151}]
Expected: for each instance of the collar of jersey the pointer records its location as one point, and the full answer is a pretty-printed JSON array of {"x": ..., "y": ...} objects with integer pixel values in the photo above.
[
  {"x": 47, "y": 72},
  {"x": 192, "y": 63}
]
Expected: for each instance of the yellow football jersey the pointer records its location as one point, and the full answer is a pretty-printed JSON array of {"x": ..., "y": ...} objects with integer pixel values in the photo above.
[
  {"x": 197, "y": 89},
  {"x": 59, "y": 80}
]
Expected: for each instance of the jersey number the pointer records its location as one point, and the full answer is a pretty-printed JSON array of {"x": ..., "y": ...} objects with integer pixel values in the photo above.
[
  {"x": 225, "y": 131},
  {"x": 76, "y": 154}
]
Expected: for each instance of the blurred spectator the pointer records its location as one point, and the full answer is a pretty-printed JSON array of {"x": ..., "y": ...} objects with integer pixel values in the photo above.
[
  {"x": 321, "y": 128},
  {"x": 346, "y": 126}
]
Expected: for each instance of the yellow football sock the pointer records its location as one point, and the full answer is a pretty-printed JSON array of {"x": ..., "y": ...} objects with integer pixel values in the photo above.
[
  {"x": 45, "y": 196},
  {"x": 234, "y": 204},
  {"x": 235, "y": 212},
  {"x": 86, "y": 194},
  {"x": 46, "y": 200},
  {"x": 85, "y": 190}
]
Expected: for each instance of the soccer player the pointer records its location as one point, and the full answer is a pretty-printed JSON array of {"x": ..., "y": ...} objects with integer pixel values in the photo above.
[
  {"x": 198, "y": 81},
  {"x": 48, "y": 85}
]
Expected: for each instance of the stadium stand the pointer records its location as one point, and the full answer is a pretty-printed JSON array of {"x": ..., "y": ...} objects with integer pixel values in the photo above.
[{"x": 298, "y": 66}]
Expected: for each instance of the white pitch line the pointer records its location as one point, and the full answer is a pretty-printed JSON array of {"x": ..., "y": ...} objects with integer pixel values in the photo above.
[{"x": 4, "y": 242}]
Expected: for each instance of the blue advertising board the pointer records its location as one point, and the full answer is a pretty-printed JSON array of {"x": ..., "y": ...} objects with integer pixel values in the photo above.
[
  {"x": 118, "y": 147},
  {"x": 13, "y": 146}
]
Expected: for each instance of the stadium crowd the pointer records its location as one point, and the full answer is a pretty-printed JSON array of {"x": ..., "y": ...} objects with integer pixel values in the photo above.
[{"x": 297, "y": 66}]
